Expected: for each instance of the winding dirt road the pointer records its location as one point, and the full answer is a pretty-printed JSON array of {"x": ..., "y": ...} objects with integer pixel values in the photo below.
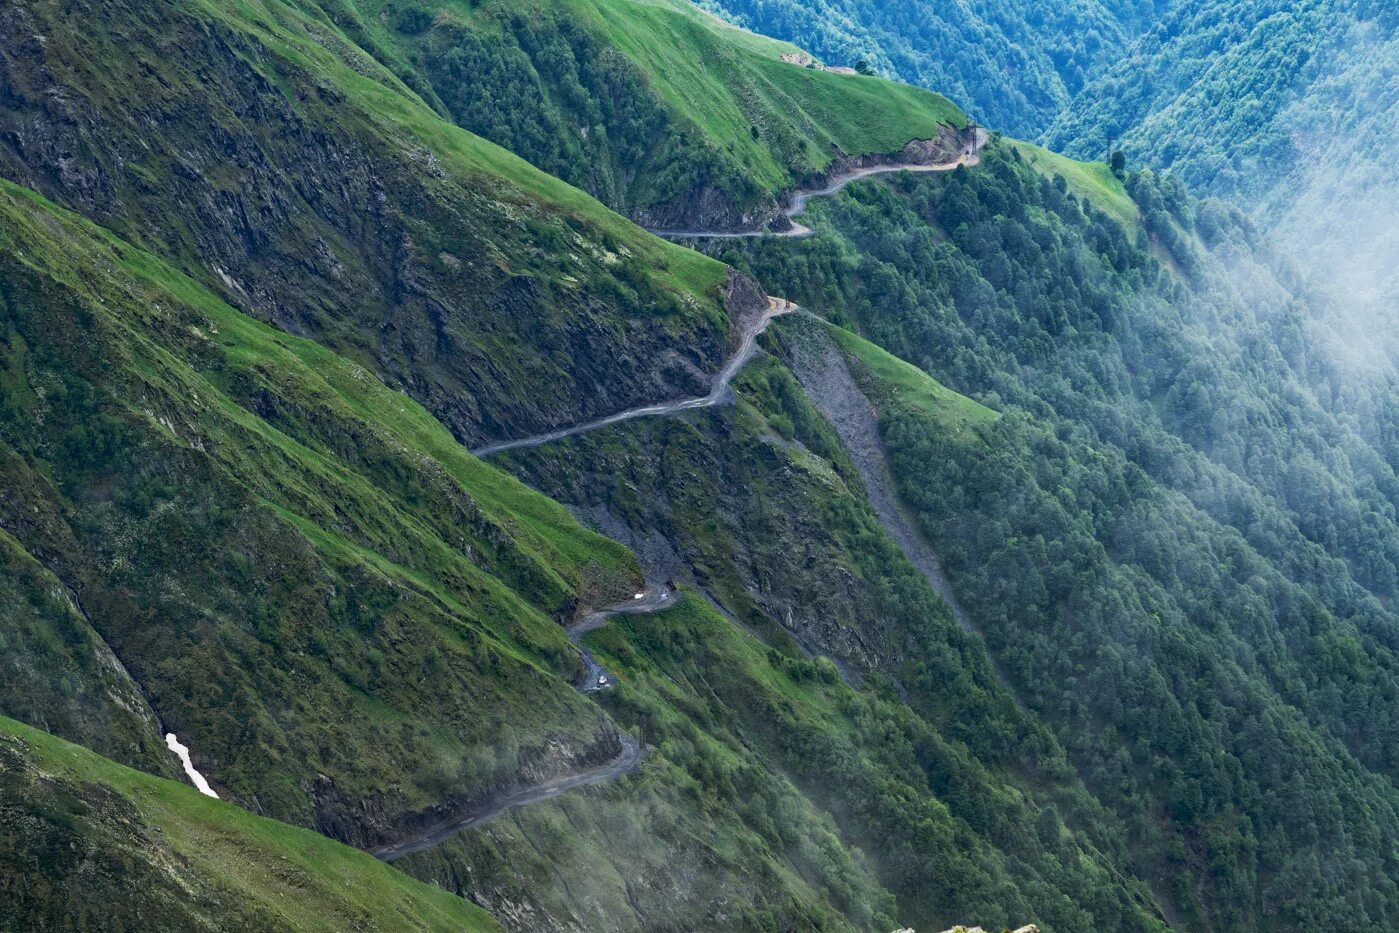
[
  {"x": 624, "y": 763},
  {"x": 968, "y": 157},
  {"x": 654, "y": 598},
  {"x": 651, "y": 599},
  {"x": 746, "y": 348}
]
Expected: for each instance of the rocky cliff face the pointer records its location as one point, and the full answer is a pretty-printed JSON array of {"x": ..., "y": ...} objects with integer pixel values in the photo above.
[
  {"x": 944, "y": 147},
  {"x": 710, "y": 207}
]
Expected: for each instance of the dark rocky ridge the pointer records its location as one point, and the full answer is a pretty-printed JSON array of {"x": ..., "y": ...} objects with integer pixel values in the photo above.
[{"x": 710, "y": 207}]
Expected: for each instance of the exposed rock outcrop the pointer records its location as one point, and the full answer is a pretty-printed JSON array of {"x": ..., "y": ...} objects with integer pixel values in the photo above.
[
  {"x": 710, "y": 207},
  {"x": 944, "y": 147},
  {"x": 822, "y": 371}
]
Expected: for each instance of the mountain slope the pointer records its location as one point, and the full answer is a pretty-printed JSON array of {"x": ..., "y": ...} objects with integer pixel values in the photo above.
[
  {"x": 1289, "y": 111},
  {"x": 89, "y": 843},
  {"x": 280, "y": 549},
  {"x": 666, "y": 115},
  {"x": 260, "y": 152},
  {"x": 58, "y": 672},
  {"x": 1170, "y": 599},
  {"x": 1070, "y": 621},
  {"x": 1228, "y": 95},
  {"x": 761, "y": 508},
  {"x": 350, "y": 621}
]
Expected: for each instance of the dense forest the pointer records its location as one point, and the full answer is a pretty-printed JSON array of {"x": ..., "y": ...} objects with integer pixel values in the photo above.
[
  {"x": 1287, "y": 109},
  {"x": 1233, "y": 95},
  {"x": 1292, "y": 111},
  {"x": 1186, "y": 565}
]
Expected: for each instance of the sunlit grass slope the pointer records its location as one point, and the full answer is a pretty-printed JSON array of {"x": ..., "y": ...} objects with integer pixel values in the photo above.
[{"x": 113, "y": 847}]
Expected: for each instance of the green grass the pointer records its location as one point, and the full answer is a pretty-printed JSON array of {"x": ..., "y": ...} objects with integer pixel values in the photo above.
[
  {"x": 542, "y": 528},
  {"x": 1092, "y": 181},
  {"x": 725, "y": 87},
  {"x": 384, "y": 98},
  {"x": 293, "y": 877},
  {"x": 754, "y": 42},
  {"x": 903, "y": 385}
]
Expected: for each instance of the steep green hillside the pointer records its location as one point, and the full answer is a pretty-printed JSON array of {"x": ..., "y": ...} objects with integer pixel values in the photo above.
[
  {"x": 347, "y": 618},
  {"x": 1093, "y": 182},
  {"x": 665, "y": 114},
  {"x": 279, "y": 549},
  {"x": 351, "y": 621},
  {"x": 1050, "y": 577},
  {"x": 86, "y": 843},
  {"x": 1186, "y": 591},
  {"x": 1291, "y": 111},
  {"x": 58, "y": 672},
  {"x": 258, "y": 150}
]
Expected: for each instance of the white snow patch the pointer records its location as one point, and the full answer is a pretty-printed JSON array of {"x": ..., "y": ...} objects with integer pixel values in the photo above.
[{"x": 195, "y": 777}]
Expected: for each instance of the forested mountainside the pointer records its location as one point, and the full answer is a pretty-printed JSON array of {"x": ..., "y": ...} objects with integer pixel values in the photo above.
[
  {"x": 1291, "y": 110},
  {"x": 1187, "y": 568},
  {"x": 1288, "y": 109},
  {"x": 259, "y": 151},
  {"x": 349, "y": 619},
  {"x": 1237, "y": 97},
  {"x": 1035, "y": 570}
]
